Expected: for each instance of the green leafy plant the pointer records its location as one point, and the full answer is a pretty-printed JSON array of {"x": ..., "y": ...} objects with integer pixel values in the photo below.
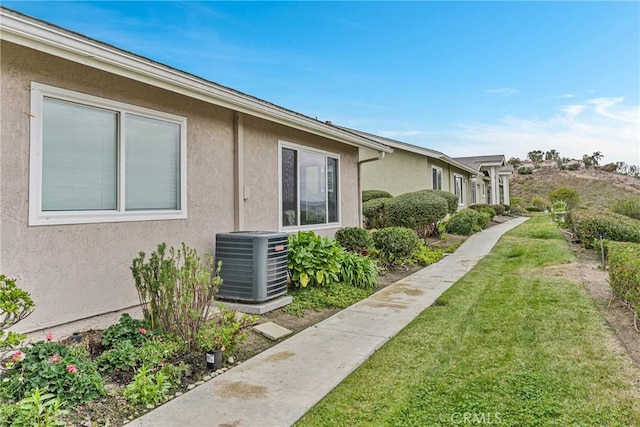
[
  {"x": 374, "y": 194},
  {"x": 127, "y": 329},
  {"x": 628, "y": 207},
  {"x": 424, "y": 255},
  {"x": 313, "y": 260},
  {"x": 568, "y": 195},
  {"x": 483, "y": 207},
  {"x": 124, "y": 356},
  {"x": 225, "y": 331},
  {"x": 359, "y": 271},
  {"x": 148, "y": 388},
  {"x": 338, "y": 295},
  {"x": 374, "y": 213},
  {"x": 396, "y": 244},
  {"x": 467, "y": 221},
  {"x": 68, "y": 372},
  {"x": 354, "y": 239},
  {"x": 176, "y": 291},
  {"x": 37, "y": 409},
  {"x": 540, "y": 203},
  {"x": 420, "y": 211},
  {"x": 15, "y": 305},
  {"x": 589, "y": 225}
]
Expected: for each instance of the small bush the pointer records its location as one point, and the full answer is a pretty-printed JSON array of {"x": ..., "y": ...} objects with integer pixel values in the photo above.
[
  {"x": 354, "y": 239},
  {"x": 127, "y": 329},
  {"x": 467, "y": 222},
  {"x": 515, "y": 201},
  {"x": 452, "y": 199},
  {"x": 629, "y": 207},
  {"x": 374, "y": 194},
  {"x": 589, "y": 225},
  {"x": 540, "y": 203},
  {"x": 313, "y": 260},
  {"x": 569, "y": 195},
  {"x": 500, "y": 209},
  {"x": 420, "y": 211},
  {"x": 148, "y": 388},
  {"x": 525, "y": 171},
  {"x": 359, "y": 271},
  {"x": 489, "y": 209},
  {"x": 624, "y": 271},
  {"x": 374, "y": 212},
  {"x": 15, "y": 305},
  {"x": 396, "y": 244},
  {"x": 39, "y": 409},
  {"x": 225, "y": 332},
  {"x": 424, "y": 255}
]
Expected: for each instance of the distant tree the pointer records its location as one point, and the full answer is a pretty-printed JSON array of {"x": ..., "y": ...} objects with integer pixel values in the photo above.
[
  {"x": 552, "y": 155},
  {"x": 596, "y": 157},
  {"x": 515, "y": 162},
  {"x": 536, "y": 156},
  {"x": 565, "y": 160},
  {"x": 610, "y": 167},
  {"x": 587, "y": 160}
]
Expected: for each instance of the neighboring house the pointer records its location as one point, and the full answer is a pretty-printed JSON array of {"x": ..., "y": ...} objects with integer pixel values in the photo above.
[
  {"x": 412, "y": 168},
  {"x": 549, "y": 164},
  {"x": 105, "y": 154},
  {"x": 573, "y": 163},
  {"x": 496, "y": 173}
]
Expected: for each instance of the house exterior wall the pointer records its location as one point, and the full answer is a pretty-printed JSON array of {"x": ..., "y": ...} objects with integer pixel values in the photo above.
[
  {"x": 79, "y": 271},
  {"x": 397, "y": 173},
  {"x": 449, "y": 172}
]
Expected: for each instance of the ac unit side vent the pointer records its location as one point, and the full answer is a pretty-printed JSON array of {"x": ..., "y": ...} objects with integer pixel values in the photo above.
[{"x": 254, "y": 265}]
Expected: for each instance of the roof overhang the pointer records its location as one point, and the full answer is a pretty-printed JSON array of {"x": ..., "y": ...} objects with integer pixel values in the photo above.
[{"x": 41, "y": 36}]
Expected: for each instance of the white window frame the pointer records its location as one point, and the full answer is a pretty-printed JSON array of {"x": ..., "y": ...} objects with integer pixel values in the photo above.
[
  {"x": 294, "y": 228},
  {"x": 461, "y": 195},
  {"x": 441, "y": 178},
  {"x": 39, "y": 217}
]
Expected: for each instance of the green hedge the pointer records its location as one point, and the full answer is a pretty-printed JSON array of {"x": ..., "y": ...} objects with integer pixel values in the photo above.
[
  {"x": 354, "y": 239},
  {"x": 452, "y": 199},
  {"x": 374, "y": 194},
  {"x": 467, "y": 221},
  {"x": 420, "y": 211},
  {"x": 483, "y": 207},
  {"x": 589, "y": 225},
  {"x": 374, "y": 212},
  {"x": 396, "y": 244},
  {"x": 624, "y": 271}
]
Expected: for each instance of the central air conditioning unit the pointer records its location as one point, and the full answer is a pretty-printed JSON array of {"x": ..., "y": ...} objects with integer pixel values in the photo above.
[{"x": 254, "y": 265}]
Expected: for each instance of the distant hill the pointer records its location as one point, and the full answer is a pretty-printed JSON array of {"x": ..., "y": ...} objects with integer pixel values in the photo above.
[{"x": 597, "y": 188}]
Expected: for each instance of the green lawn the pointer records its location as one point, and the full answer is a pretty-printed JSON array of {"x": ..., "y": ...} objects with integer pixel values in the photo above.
[{"x": 506, "y": 346}]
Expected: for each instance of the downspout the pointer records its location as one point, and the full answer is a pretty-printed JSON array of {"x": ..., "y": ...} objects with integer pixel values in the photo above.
[
  {"x": 374, "y": 159},
  {"x": 238, "y": 171}
]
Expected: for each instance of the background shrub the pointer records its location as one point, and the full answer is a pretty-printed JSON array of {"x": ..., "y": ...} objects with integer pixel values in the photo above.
[
  {"x": 483, "y": 207},
  {"x": 374, "y": 212},
  {"x": 451, "y": 199},
  {"x": 624, "y": 271},
  {"x": 629, "y": 207},
  {"x": 424, "y": 255},
  {"x": 525, "y": 171},
  {"x": 500, "y": 209},
  {"x": 569, "y": 195},
  {"x": 395, "y": 244},
  {"x": 374, "y": 194},
  {"x": 467, "y": 222},
  {"x": 540, "y": 203},
  {"x": 420, "y": 211},
  {"x": 589, "y": 225},
  {"x": 354, "y": 239}
]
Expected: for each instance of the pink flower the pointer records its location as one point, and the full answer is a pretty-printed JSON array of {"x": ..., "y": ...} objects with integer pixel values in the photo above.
[
  {"x": 143, "y": 331},
  {"x": 55, "y": 358},
  {"x": 18, "y": 356},
  {"x": 49, "y": 336},
  {"x": 72, "y": 369}
]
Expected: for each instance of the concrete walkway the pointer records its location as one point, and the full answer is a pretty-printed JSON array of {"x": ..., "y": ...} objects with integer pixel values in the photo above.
[{"x": 278, "y": 386}]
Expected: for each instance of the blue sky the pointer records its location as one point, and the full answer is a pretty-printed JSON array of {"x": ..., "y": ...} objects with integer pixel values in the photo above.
[{"x": 466, "y": 78}]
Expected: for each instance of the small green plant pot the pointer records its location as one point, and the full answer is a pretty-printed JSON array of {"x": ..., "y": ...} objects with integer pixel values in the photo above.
[{"x": 214, "y": 359}]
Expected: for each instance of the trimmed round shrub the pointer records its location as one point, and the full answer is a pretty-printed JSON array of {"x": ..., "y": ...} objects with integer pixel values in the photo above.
[
  {"x": 500, "y": 209},
  {"x": 540, "y": 203},
  {"x": 466, "y": 222},
  {"x": 629, "y": 207},
  {"x": 374, "y": 194},
  {"x": 374, "y": 212},
  {"x": 589, "y": 225},
  {"x": 452, "y": 199},
  {"x": 396, "y": 244},
  {"x": 569, "y": 195},
  {"x": 354, "y": 239},
  {"x": 488, "y": 209},
  {"x": 525, "y": 171},
  {"x": 420, "y": 211}
]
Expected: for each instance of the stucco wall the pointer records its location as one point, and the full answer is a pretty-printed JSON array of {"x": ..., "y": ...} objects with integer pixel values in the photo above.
[
  {"x": 78, "y": 271},
  {"x": 399, "y": 172}
]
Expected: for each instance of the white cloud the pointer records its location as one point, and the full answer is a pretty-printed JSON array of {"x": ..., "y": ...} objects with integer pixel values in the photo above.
[
  {"x": 506, "y": 91},
  {"x": 598, "y": 124}
]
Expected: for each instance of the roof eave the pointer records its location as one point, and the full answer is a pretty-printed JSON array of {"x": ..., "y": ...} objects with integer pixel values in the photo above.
[{"x": 25, "y": 31}]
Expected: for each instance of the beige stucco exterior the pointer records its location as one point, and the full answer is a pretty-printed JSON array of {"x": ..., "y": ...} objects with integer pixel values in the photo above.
[
  {"x": 405, "y": 171},
  {"x": 80, "y": 271}
]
